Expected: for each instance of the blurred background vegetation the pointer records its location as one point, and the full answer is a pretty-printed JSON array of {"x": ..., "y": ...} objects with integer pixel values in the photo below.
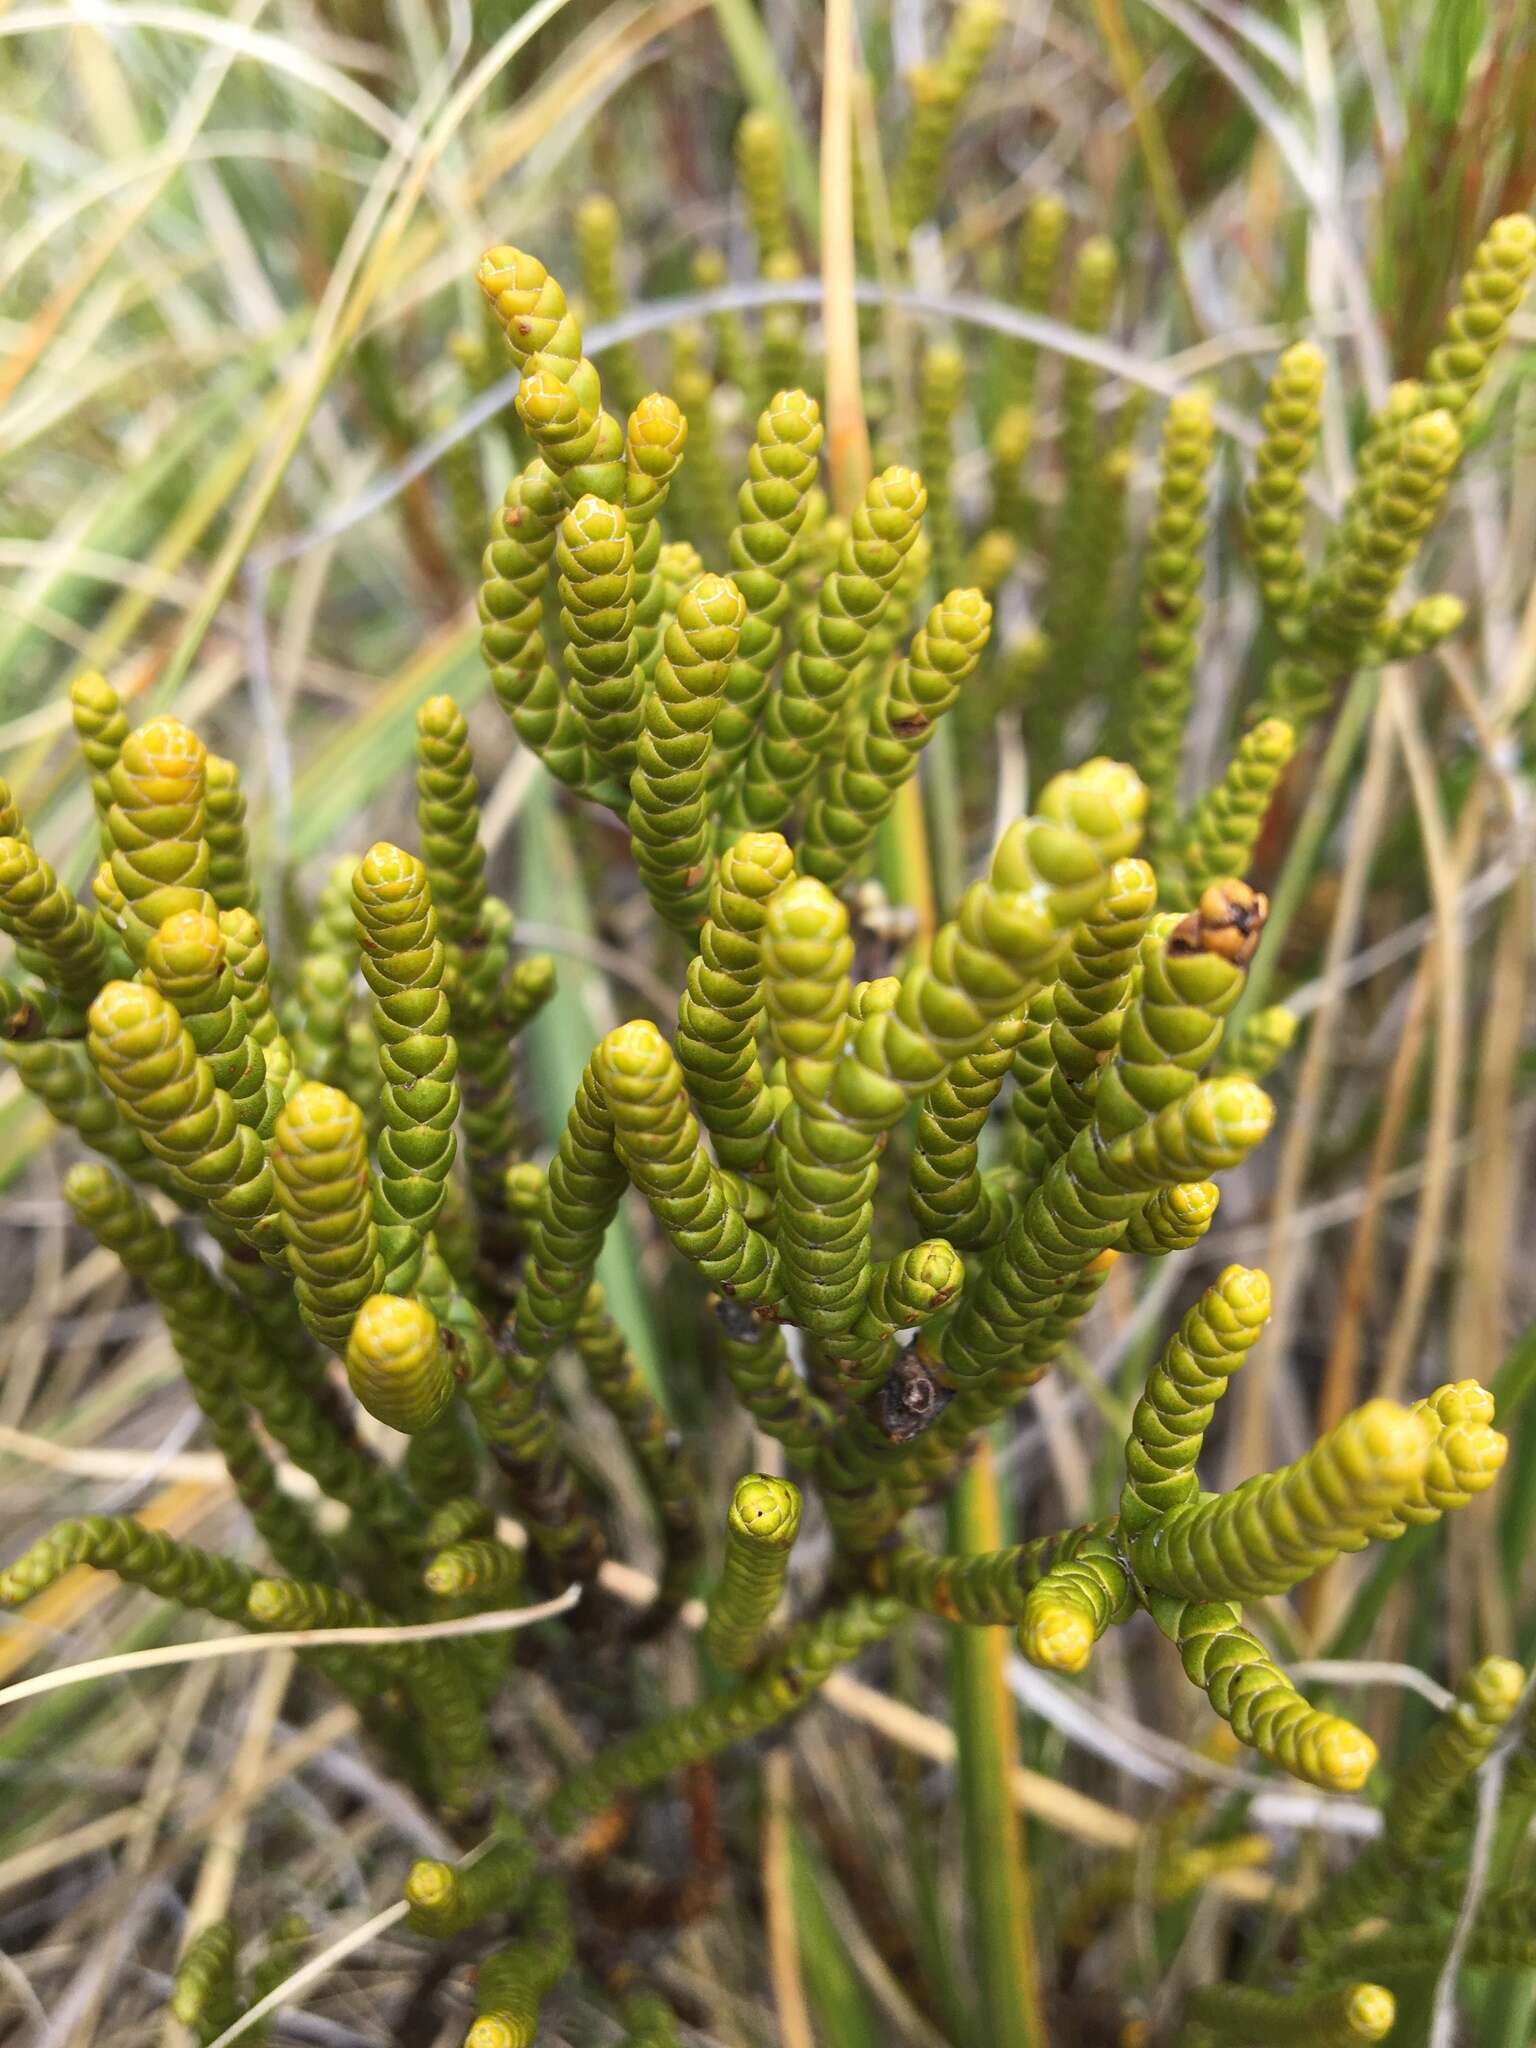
[{"x": 252, "y": 429}]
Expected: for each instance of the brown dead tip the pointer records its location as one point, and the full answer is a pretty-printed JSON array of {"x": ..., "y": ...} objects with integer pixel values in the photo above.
[{"x": 1227, "y": 921}]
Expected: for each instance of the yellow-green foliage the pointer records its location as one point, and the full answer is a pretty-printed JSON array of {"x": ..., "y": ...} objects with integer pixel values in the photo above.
[{"x": 752, "y": 735}]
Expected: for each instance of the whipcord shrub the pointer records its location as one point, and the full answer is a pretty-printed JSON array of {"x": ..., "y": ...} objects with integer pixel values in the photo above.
[{"x": 320, "y": 1171}]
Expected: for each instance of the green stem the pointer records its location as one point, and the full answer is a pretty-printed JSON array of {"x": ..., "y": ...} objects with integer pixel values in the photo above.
[
  {"x": 1511, "y": 1388},
  {"x": 556, "y": 1038}
]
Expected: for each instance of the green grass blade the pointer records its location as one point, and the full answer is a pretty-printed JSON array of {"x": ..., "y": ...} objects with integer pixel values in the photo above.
[
  {"x": 763, "y": 82},
  {"x": 997, "y": 1876}
]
